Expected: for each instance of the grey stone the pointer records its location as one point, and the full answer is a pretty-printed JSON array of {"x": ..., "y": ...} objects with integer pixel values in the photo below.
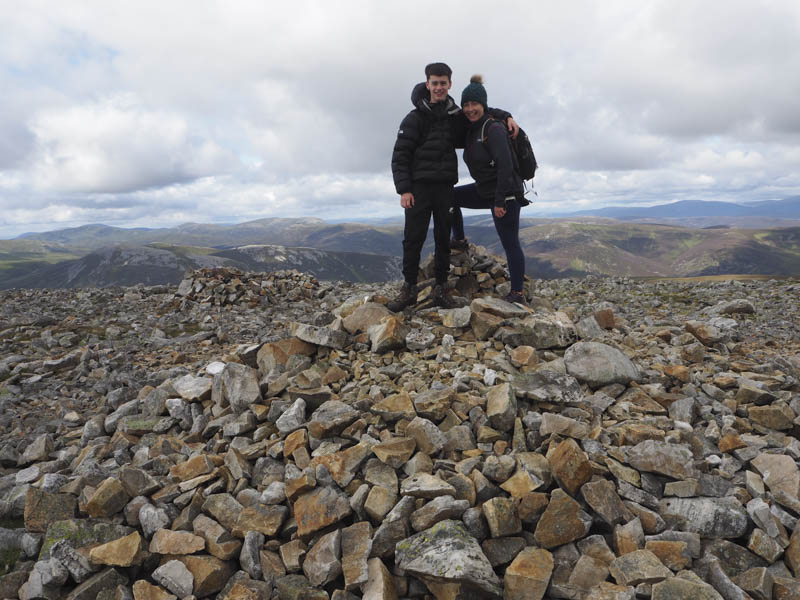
[
  {"x": 249, "y": 556},
  {"x": 321, "y": 336},
  {"x": 323, "y": 563},
  {"x": 447, "y": 553},
  {"x": 151, "y": 519},
  {"x": 709, "y": 517},
  {"x": 673, "y": 460},
  {"x": 639, "y": 566},
  {"x": 438, "y": 509},
  {"x": 544, "y": 330},
  {"x": 293, "y": 418},
  {"x": 176, "y": 577},
  {"x": 549, "y": 386},
  {"x": 240, "y": 386},
  {"x": 598, "y": 364},
  {"x": 193, "y": 389}
]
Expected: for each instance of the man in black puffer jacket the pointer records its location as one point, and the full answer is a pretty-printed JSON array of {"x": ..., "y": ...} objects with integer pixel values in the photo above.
[{"x": 425, "y": 169}]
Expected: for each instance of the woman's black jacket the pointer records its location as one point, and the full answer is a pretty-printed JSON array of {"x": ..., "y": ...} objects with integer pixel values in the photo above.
[{"x": 487, "y": 152}]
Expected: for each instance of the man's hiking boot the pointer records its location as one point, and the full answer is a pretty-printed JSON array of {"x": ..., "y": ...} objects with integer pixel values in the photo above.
[
  {"x": 459, "y": 244},
  {"x": 442, "y": 298},
  {"x": 515, "y": 298},
  {"x": 405, "y": 298}
]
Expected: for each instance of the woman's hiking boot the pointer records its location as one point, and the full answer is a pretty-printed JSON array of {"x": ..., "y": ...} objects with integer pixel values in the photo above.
[
  {"x": 407, "y": 296},
  {"x": 515, "y": 298},
  {"x": 459, "y": 244},
  {"x": 442, "y": 298}
]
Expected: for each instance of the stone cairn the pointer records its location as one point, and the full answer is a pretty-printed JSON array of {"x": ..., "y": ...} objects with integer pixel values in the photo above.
[
  {"x": 613, "y": 440},
  {"x": 222, "y": 286}
]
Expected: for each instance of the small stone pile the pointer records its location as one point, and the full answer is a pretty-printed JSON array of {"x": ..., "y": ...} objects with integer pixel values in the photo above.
[
  {"x": 221, "y": 286},
  {"x": 613, "y": 440},
  {"x": 473, "y": 273}
]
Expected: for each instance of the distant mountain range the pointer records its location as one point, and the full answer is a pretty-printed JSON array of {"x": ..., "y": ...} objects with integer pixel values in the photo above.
[
  {"x": 637, "y": 242},
  {"x": 788, "y": 208},
  {"x": 155, "y": 264}
]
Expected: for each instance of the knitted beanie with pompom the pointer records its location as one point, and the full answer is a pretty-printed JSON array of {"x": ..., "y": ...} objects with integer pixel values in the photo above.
[{"x": 474, "y": 91}]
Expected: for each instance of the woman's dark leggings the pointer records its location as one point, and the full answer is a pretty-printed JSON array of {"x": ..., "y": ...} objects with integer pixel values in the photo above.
[{"x": 466, "y": 196}]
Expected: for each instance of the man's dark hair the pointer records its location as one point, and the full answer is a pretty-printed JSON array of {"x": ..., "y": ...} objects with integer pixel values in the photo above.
[{"x": 440, "y": 69}]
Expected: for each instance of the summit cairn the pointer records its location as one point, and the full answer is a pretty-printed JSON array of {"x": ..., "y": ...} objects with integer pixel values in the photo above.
[{"x": 273, "y": 436}]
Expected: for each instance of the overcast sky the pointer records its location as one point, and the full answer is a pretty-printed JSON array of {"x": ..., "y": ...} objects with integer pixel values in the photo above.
[{"x": 158, "y": 113}]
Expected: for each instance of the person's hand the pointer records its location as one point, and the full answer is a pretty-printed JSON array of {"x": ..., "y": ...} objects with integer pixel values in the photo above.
[
  {"x": 512, "y": 127},
  {"x": 499, "y": 212},
  {"x": 407, "y": 200}
]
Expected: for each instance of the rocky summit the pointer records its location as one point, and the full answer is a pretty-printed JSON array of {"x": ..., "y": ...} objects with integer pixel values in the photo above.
[{"x": 267, "y": 435}]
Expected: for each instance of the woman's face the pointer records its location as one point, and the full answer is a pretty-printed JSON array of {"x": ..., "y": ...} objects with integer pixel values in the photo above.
[{"x": 472, "y": 110}]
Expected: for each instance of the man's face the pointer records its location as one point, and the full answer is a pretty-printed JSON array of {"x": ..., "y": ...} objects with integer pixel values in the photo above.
[{"x": 438, "y": 86}]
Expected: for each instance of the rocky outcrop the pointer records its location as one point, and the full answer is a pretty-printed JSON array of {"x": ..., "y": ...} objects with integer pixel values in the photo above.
[{"x": 235, "y": 440}]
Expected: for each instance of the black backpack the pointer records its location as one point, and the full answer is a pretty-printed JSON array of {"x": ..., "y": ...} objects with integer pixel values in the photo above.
[{"x": 521, "y": 152}]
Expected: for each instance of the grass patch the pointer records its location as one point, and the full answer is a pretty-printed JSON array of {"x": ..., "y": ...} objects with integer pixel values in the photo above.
[
  {"x": 576, "y": 264},
  {"x": 691, "y": 242},
  {"x": 8, "y": 558}
]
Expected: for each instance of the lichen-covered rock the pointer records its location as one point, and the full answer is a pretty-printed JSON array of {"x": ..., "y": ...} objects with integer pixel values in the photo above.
[{"x": 446, "y": 553}]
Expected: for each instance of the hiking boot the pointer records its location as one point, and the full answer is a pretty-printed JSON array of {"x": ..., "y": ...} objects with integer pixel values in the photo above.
[
  {"x": 442, "y": 298},
  {"x": 405, "y": 298},
  {"x": 459, "y": 244},
  {"x": 515, "y": 298}
]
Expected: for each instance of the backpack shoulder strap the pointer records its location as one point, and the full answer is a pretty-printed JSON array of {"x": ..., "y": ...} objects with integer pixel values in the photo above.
[{"x": 483, "y": 129}]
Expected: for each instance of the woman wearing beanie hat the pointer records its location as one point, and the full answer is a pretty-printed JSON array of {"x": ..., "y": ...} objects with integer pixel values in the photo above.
[{"x": 487, "y": 152}]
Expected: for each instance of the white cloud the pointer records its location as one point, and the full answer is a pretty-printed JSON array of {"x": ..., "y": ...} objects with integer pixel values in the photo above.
[
  {"x": 198, "y": 110},
  {"x": 115, "y": 146}
]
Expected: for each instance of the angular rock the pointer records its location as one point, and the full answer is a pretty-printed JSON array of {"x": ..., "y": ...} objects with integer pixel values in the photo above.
[
  {"x": 356, "y": 545},
  {"x": 640, "y": 566},
  {"x": 438, "y": 509},
  {"x": 429, "y": 438},
  {"x": 210, "y": 573},
  {"x": 396, "y": 451},
  {"x": 545, "y": 330},
  {"x": 293, "y": 418},
  {"x": 562, "y": 522},
  {"x": 570, "y": 466},
  {"x": 321, "y": 336},
  {"x": 323, "y": 563},
  {"x": 219, "y": 541},
  {"x": 780, "y": 473},
  {"x": 389, "y": 334},
  {"x": 165, "y": 541},
  {"x": 380, "y": 583},
  {"x": 598, "y": 364},
  {"x": 447, "y": 554},
  {"x": 319, "y": 508},
  {"x": 527, "y": 576},
  {"x": 709, "y": 517},
  {"x": 331, "y": 418},
  {"x": 43, "y": 508},
  {"x": 108, "y": 499},
  {"x": 123, "y": 552},
  {"x": 603, "y": 498},
  {"x": 425, "y": 485},
  {"x": 502, "y": 517},
  {"x": 548, "y": 386},
  {"x": 501, "y": 406},
  {"x": 673, "y": 460},
  {"x": 174, "y": 576}
]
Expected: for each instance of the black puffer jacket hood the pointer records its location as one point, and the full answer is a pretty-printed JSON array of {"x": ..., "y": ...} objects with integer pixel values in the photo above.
[{"x": 420, "y": 98}]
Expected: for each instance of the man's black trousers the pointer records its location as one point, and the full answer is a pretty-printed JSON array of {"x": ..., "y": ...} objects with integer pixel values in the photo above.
[{"x": 429, "y": 199}]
